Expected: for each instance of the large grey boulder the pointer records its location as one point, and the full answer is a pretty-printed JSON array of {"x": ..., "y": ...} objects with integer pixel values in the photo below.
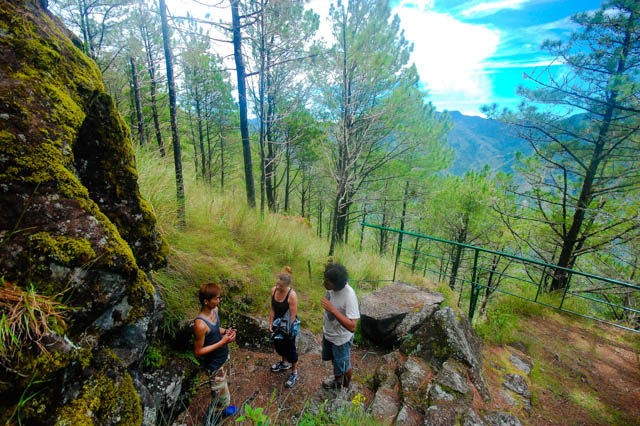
[
  {"x": 307, "y": 343},
  {"x": 395, "y": 311}
]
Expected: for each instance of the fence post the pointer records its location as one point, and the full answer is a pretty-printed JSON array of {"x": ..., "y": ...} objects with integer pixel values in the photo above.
[
  {"x": 404, "y": 213},
  {"x": 544, "y": 271},
  {"x": 415, "y": 256},
  {"x": 475, "y": 291},
  {"x": 309, "y": 268},
  {"x": 566, "y": 289}
]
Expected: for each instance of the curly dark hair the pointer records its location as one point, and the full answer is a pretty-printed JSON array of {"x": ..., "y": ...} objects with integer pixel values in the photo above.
[{"x": 337, "y": 275}]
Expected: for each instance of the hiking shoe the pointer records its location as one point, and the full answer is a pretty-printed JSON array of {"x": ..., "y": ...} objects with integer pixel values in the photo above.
[
  {"x": 332, "y": 383},
  {"x": 280, "y": 366},
  {"x": 291, "y": 380}
]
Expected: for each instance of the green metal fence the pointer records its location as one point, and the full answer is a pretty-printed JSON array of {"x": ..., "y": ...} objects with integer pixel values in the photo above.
[{"x": 477, "y": 273}]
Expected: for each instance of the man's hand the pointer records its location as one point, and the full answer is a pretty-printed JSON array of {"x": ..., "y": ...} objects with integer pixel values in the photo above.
[
  {"x": 229, "y": 336},
  {"x": 328, "y": 306}
]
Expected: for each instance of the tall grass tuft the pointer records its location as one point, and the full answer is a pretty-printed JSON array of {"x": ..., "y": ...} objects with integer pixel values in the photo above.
[{"x": 25, "y": 318}]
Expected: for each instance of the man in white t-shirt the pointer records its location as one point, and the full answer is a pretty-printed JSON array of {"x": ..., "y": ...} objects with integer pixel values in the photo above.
[{"x": 341, "y": 316}]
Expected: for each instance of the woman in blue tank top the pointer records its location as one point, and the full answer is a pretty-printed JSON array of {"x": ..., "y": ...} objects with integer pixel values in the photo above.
[{"x": 210, "y": 344}]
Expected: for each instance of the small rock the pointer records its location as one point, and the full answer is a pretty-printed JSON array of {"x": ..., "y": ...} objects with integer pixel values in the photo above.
[
  {"x": 498, "y": 418},
  {"x": 412, "y": 376},
  {"x": 520, "y": 364},
  {"x": 451, "y": 377},
  {"x": 517, "y": 384},
  {"x": 436, "y": 394},
  {"x": 385, "y": 405},
  {"x": 506, "y": 395},
  {"x": 473, "y": 419},
  {"x": 519, "y": 346}
]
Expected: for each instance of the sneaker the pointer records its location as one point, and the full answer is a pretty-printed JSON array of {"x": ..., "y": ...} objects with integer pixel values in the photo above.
[
  {"x": 280, "y": 366},
  {"x": 291, "y": 380},
  {"x": 229, "y": 411}
]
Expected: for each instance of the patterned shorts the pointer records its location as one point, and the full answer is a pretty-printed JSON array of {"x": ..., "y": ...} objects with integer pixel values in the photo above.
[{"x": 217, "y": 381}]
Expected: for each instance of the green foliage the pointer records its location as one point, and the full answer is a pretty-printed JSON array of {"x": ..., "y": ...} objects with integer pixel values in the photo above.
[
  {"x": 154, "y": 357},
  {"x": 503, "y": 318},
  {"x": 351, "y": 415},
  {"x": 255, "y": 416}
]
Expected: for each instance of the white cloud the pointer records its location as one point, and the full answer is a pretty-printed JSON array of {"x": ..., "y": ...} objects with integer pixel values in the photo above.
[
  {"x": 488, "y": 8},
  {"x": 449, "y": 54}
]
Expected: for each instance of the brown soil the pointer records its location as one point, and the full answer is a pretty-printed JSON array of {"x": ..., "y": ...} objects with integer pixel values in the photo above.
[
  {"x": 252, "y": 382},
  {"x": 579, "y": 378}
]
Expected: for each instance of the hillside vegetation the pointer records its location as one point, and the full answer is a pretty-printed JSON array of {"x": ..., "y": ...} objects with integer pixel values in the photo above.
[{"x": 581, "y": 369}]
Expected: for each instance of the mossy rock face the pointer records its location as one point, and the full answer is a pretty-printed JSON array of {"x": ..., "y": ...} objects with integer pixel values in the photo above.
[
  {"x": 106, "y": 396},
  {"x": 72, "y": 224}
]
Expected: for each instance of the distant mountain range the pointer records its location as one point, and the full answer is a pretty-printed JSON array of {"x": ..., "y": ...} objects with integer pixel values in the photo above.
[{"x": 478, "y": 141}]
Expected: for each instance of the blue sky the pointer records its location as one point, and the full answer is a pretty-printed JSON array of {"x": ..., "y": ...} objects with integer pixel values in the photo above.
[
  {"x": 471, "y": 53},
  {"x": 468, "y": 53}
]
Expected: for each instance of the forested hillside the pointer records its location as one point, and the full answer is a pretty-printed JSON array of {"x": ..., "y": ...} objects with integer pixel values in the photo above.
[{"x": 478, "y": 141}]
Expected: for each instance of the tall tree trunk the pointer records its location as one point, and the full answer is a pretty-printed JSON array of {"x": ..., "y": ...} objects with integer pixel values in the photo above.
[
  {"x": 193, "y": 142},
  {"x": 271, "y": 161},
  {"x": 303, "y": 195},
  {"x": 261, "y": 83},
  {"x": 201, "y": 134},
  {"x": 242, "y": 100},
  {"x": 287, "y": 182},
  {"x": 364, "y": 220},
  {"x": 152, "y": 77},
  {"x": 209, "y": 153},
  {"x": 132, "y": 107},
  {"x": 138, "y": 101},
  {"x": 567, "y": 254},
  {"x": 383, "y": 232},
  {"x": 177, "y": 155},
  {"x": 320, "y": 208},
  {"x": 221, "y": 162},
  {"x": 457, "y": 252},
  {"x": 341, "y": 210}
]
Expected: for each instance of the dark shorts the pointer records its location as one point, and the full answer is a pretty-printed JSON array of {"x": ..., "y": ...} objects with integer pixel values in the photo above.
[
  {"x": 340, "y": 355},
  {"x": 286, "y": 348}
]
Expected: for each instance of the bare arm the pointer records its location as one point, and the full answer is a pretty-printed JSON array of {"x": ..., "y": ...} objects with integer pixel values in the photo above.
[
  {"x": 200, "y": 329},
  {"x": 348, "y": 323},
  {"x": 271, "y": 312},
  {"x": 293, "y": 305}
]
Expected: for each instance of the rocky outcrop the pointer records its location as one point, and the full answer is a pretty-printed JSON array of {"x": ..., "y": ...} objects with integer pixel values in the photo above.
[
  {"x": 73, "y": 226},
  {"x": 445, "y": 336},
  {"x": 390, "y": 314},
  {"x": 436, "y": 378}
]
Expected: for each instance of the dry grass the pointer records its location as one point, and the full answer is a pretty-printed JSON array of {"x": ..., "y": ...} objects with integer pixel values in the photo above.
[{"x": 26, "y": 318}]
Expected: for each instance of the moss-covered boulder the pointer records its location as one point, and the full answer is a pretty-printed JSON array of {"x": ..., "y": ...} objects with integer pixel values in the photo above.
[{"x": 73, "y": 226}]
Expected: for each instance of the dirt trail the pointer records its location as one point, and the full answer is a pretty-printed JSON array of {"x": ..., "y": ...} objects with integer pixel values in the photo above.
[{"x": 579, "y": 378}]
